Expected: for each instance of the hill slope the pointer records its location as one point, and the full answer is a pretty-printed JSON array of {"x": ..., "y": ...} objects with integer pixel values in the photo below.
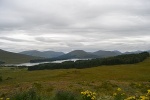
[
  {"x": 13, "y": 58},
  {"x": 45, "y": 54}
]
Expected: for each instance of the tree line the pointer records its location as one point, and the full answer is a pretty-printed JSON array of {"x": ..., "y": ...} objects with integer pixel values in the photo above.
[{"x": 79, "y": 64}]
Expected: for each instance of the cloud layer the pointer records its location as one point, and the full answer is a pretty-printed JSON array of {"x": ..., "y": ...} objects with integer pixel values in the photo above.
[{"x": 65, "y": 25}]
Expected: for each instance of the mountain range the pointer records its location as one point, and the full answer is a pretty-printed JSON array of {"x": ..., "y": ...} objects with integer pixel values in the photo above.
[
  {"x": 27, "y": 56},
  {"x": 44, "y": 54},
  {"x": 80, "y": 54},
  {"x": 72, "y": 54}
]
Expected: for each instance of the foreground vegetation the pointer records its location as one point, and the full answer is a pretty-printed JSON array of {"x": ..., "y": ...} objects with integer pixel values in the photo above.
[{"x": 114, "y": 82}]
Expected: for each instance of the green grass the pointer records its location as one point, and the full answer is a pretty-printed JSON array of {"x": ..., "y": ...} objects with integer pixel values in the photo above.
[{"x": 77, "y": 80}]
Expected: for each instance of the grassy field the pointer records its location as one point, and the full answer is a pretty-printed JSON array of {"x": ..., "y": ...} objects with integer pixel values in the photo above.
[{"x": 103, "y": 80}]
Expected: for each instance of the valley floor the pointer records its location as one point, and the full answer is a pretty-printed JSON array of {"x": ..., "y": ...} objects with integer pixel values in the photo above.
[{"x": 103, "y": 80}]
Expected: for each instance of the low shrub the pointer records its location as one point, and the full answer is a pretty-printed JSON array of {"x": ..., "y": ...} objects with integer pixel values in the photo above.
[
  {"x": 65, "y": 95},
  {"x": 28, "y": 95}
]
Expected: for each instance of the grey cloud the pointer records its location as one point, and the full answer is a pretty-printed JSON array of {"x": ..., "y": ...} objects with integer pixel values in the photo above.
[
  {"x": 13, "y": 39},
  {"x": 83, "y": 24},
  {"x": 47, "y": 16},
  {"x": 74, "y": 39}
]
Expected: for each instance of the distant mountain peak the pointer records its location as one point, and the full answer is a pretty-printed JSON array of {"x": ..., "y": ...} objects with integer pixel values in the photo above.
[
  {"x": 77, "y": 54},
  {"x": 45, "y": 54},
  {"x": 103, "y": 53}
]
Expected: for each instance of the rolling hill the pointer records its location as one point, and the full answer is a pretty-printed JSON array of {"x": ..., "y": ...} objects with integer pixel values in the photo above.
[
  {"x": 44, "y": 54},
  {"x": 14, "y": 58}
]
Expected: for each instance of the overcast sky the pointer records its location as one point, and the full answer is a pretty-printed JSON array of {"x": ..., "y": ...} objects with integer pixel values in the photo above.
[{"x": 66, "y": 25}]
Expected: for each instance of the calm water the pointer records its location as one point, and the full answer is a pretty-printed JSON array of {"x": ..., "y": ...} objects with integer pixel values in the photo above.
[{"x": 32, "y": 64}]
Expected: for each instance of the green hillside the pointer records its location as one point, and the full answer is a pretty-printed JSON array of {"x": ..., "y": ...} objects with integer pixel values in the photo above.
[{"x": 14, "y": 58}]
